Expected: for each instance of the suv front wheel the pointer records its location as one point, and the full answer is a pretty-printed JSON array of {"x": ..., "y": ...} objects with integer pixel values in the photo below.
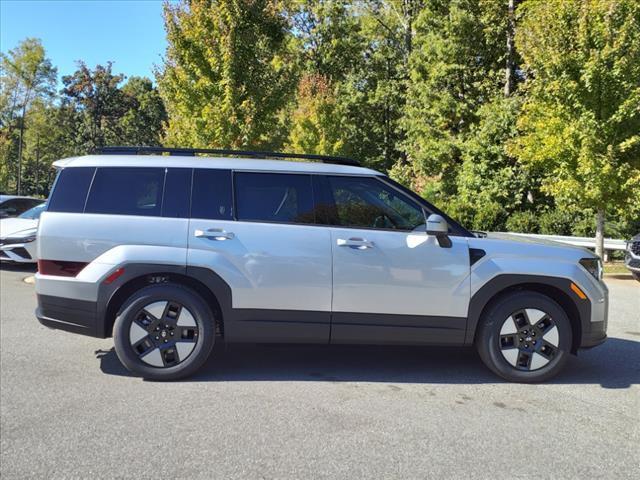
[
  {"x": 165, "y": 332},
  {"x": 524, "y": 337}
]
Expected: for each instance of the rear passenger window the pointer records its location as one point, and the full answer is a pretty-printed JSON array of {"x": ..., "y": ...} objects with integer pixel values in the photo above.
[
  {"x": 274, "y": 197},
  {"x": 211, "y": 197},
  {"x": 70, "y": 191},
  {"x": 177, "y": 193},
  {"x": 126, "y": 191}
]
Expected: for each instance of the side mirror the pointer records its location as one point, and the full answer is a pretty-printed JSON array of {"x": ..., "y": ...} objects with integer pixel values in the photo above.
[{"x": 438, "y": 227}]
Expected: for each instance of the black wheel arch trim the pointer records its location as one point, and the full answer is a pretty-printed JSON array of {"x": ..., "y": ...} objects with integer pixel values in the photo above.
[
  {"x": 558, "y": 288},
  {"x": 111, "y": 297}
]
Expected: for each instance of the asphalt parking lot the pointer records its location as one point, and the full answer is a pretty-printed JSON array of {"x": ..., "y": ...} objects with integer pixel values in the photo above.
[{"x": 70, "y": 410}]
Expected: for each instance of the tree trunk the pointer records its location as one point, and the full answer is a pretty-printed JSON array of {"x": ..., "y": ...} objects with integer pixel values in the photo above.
[
  {"x": 19, "y": 182},
  {"x": 508, "y": 71},
  {"x": 600, "y": 233}
]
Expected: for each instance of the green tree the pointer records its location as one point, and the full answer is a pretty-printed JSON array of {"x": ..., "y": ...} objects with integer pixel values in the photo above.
[
  {"x": 142, "y": 123},
  {"x": 456, "y": 66},
  {"x": 316, "y": 124},
  {"x": 227, "y": 73},
  {"x": 109, "y": 113},
  {"x": 25, "y": 75},
  {"x": 580, "y": 122},
  {"x": 100, "y": 103}
]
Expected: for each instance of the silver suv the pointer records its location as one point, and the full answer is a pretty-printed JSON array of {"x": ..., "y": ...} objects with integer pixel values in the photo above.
[{"x": 170, "y": 254}]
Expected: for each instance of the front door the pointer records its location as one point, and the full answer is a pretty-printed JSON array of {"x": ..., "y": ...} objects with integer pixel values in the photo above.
[{"x": 392, "y": 283}]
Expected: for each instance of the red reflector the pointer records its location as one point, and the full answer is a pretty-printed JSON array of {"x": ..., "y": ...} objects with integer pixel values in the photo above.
[
  {"x": 115, "y": 275},
  {"x": 60, "y": 268}
]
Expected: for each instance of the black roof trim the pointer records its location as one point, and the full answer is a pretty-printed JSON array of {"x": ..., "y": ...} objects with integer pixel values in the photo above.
[{"x": 192, "y": 152}]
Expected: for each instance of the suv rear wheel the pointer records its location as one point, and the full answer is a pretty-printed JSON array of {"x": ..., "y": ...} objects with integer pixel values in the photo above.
[
  {"x": 165, "y": 332},
  {"x": 524, "y": 337}
]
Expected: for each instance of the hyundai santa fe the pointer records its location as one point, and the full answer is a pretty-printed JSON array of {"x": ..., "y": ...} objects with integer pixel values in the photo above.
[{"x": 172, "y": 253}]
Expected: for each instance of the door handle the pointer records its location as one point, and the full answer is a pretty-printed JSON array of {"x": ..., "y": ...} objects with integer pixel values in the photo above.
[
  {"x": 214, "y": 234},
  {"x": 356, "y": 243}
]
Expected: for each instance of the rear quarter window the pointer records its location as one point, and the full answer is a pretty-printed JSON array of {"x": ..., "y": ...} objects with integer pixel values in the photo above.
[
  {"x": 70, "y": 190},
  {"x": 127, "y": 191}
]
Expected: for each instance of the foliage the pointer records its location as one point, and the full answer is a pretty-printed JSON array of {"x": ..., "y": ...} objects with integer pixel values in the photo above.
[
  {"x": 537, "y": 135},
  {"x": 455, "y": 67},
  {"x": 227, "y": 73},
  {"x": 25, "y": 76},
  {"x": 580, "y": 122}
]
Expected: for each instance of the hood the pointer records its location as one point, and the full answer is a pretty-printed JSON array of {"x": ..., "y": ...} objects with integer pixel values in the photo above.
[
  {"x": 11, "y": 226},
  {"x": 510, "y": 244}
]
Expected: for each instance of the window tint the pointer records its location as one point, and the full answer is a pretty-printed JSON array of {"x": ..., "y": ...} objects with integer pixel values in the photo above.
[
  {"x": 177, "y": 193},
  {"x": 70, "y": 191},
  {"x": 369, "y": 203},
  {"x": 211, "y": 197},
  {"x": 274, "y": 197},
  {"x": 126, "y": 191}
]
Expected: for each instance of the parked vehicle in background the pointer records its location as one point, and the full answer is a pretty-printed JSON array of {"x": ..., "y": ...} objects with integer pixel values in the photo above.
[
  {"x": 632, "y": 256},
  {"x": 170, "y": 254},
  {"x": 18, "y": 236},
  {"x": 12, "y": 205}
]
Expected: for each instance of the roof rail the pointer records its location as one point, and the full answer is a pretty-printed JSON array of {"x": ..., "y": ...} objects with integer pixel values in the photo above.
[{"x": 191, "y": 152}]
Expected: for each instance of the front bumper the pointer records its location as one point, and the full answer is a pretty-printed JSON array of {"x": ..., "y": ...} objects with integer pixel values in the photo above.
[
  {"x": 18, "y": 253},
  {"x": 594, "y": 332},
  {"x": 632, "y": 262}
]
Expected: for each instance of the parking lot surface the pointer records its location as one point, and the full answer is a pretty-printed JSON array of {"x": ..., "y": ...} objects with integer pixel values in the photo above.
[{"x": 70, "y": 410}]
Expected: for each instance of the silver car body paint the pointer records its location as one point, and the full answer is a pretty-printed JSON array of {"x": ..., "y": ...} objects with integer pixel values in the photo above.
[
  {"x": 298, "y": 267},
  {"x": 513, "y": 255}
]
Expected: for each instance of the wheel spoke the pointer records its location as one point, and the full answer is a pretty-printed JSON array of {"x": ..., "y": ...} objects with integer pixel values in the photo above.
[
  {"x": 171, "y": 313},
  {"x": 508, "y": 341},
  {"x": 155, "y": 310},
  {"x": 537, "y": 361},
  {"x": 524, "y": 360},
  {"x": 153, "y": 357},
  {"x": 184, "y": 349},
  {"x": 547, "y": 350},
  {"x": 544, "y": 324},
  {"x": 169, "y": 356},
  {"x": 143, "y": 346},
  {"x": 520, "y": 319},
  {"x": 186, "y": 334},
  {"x": 552, "y": 336},
  {"x": 534, "y": 315}
]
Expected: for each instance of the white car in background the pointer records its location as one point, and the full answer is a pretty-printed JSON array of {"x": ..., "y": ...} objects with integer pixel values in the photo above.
[{"x": 18, "y": 236}]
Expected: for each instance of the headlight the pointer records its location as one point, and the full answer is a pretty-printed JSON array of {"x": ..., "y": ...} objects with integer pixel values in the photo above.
[{"x": 593, "y": 266}]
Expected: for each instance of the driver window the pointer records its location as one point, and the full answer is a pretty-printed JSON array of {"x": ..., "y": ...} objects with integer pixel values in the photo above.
[{"x": 368, "y": 203}]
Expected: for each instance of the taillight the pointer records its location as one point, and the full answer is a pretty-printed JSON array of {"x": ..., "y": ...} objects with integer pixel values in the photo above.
[{"x": 60, "y": 268}]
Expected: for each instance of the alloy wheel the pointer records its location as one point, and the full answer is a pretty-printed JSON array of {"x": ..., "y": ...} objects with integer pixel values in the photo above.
[
  {"x": 529, "y": 339},
  {"x": 163, "y": 334}
]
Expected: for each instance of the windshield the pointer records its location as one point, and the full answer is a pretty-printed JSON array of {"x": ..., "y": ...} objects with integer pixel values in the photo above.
[{"x": 34, "y": 213}]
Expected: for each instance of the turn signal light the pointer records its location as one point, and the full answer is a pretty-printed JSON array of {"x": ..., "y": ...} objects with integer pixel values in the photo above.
[{"x": 577, "y": 291}]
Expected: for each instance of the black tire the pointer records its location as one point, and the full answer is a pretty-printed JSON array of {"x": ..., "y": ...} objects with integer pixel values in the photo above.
[
  {"x": 494, "y": 348},
  {"x": 177, "y": 298},
  {"x": 636, "y": 275}
]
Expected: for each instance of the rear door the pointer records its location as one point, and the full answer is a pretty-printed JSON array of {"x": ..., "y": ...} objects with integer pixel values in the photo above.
[
  {"x": 392, "y": 283},
  {"x": 266, "y": 248}
]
